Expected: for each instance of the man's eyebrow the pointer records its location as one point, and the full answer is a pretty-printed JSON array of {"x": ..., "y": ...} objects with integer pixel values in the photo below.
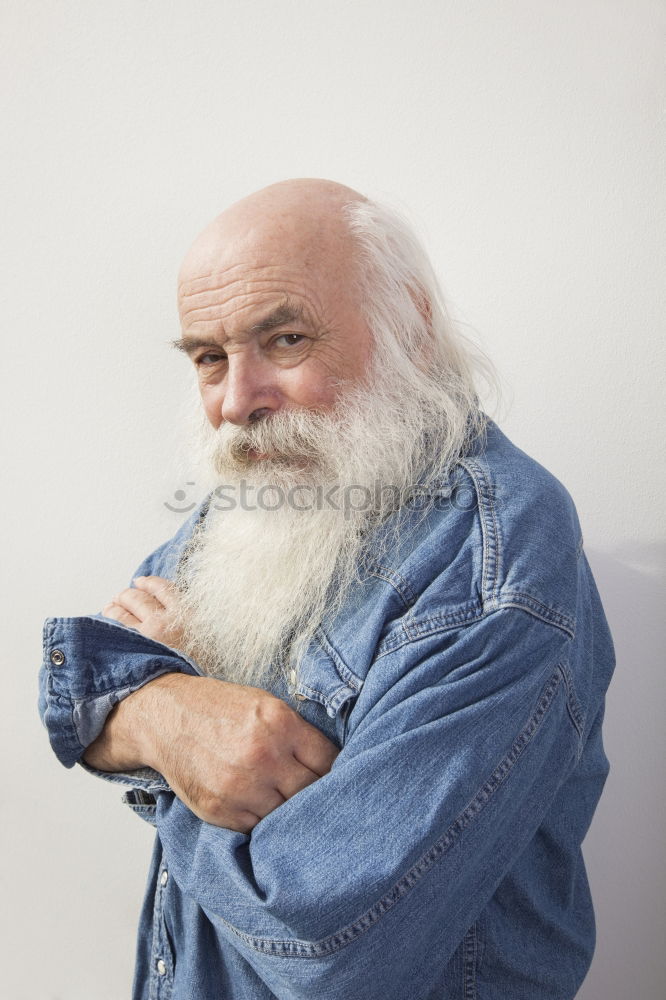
[
  {"x": 285, "y": 313},
  {"x": 188, "y": 345}
]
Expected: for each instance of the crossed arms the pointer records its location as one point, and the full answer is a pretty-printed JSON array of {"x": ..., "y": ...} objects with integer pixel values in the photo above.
[
  {"x": 231, "y": 753},
  {"x": 456, "y": 747}
]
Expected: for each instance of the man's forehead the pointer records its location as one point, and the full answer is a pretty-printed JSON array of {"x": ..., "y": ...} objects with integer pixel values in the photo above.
[
  {"x": 198, "y": 275},
  {"x": 251, "y": 292},
  {"x": 255, "y": 234}
]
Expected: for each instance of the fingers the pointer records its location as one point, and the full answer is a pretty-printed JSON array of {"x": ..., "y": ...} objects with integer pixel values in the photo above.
[
  {"x": 151, "y": 594},
  {"x": 243, "y": 821},
  {"x": 119, "y": 614},
  {"x": 240, "y": 812},
  {"x": 296, "y": 779},
  {"x": 138, "y": 603},
  {"x": 151, "y": 607},
  {"x": 314, "y": 750},
  {"x": 263, "y": 802},
  {"x": 289, "y": 736},
  {"x": 163, "y": 590}
]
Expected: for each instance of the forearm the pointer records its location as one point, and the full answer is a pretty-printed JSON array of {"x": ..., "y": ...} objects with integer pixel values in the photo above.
[
  {"x": 231, "y": 753},
  {"x": 131, "y": 735}
]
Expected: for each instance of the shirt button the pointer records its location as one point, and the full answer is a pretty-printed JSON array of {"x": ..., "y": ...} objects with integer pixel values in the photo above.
[
  {"x": 300, "y": 697},
  {"x": 161, "y": 967},
  {"x": 164, "y": 877},
  {"x": 57, "y": 657}
]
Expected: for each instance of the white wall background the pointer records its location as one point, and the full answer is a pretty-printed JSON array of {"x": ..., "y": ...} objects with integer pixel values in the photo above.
[{"x": 524, "y": 136}]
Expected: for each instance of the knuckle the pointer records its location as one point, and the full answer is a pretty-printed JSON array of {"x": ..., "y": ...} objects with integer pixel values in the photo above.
[{"x": 278, "y": 714}]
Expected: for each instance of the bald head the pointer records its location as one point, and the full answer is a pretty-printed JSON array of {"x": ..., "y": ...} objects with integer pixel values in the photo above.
[{"x": 305, "y": 215}]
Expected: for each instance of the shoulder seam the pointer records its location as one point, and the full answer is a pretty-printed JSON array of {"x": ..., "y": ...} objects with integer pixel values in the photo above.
[
  {"x": 490, "y": 532},
  {"x": 466, "y": 616}
]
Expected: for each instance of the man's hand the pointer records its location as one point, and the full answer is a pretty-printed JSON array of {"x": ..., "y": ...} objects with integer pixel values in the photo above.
[
  {"x": 149, "y": 607},
  {"x": 231, "y": 753}
]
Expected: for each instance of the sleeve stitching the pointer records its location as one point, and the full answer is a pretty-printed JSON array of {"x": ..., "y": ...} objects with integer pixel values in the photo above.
[{"x": 297, "y": 948}]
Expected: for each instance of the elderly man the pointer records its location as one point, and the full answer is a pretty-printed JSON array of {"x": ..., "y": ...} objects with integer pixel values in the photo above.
[{"x": 360, "y": 693}]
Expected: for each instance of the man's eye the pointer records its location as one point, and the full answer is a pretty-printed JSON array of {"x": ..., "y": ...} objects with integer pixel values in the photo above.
[
  {"x": 290, "y": 339},
  {"x": 210, "y": 358}
]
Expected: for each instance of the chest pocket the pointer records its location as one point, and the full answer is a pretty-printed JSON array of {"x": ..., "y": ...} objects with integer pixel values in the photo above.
[{"x": 323, "y": 689}]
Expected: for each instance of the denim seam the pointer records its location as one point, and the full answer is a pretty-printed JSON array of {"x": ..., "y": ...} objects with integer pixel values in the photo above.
[
  {"x": 492, "y": 548},
  {"x": 334, "y": 701},
  {"x": 344, "y": 673},
  {"x": 414, "y": 630},
  {"x": 508, "y": 592},
  {"x": 426, "y": 627},
  {"x": 534, "y": 607},
  {"x": 50, "y": 626},
  {"x": 141, "y": 779},
  {"x": 121, "y": 684},
  {"x": 469, "y": 964},
  {"x": 65, "y": 703},
  {"x": 296, "y": 948},
  {"x": 574, "y": 708},
  {"x": 395, "y": 580}
]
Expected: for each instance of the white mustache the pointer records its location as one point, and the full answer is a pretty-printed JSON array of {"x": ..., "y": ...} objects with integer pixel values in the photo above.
[{"x": 286, "y": 437}]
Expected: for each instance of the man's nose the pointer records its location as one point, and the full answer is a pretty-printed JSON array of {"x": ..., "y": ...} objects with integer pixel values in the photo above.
[{"x": 249, "y": 392}]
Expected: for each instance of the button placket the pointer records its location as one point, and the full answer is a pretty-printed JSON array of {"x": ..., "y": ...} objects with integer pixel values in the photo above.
[{"x": 162, "y": 958}]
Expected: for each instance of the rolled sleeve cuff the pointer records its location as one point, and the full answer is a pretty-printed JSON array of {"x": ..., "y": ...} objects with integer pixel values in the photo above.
[{"x": 90, "y": 664}]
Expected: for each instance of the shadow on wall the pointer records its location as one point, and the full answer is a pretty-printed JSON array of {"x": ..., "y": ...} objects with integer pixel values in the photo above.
[{"x": 624, "y": 849}]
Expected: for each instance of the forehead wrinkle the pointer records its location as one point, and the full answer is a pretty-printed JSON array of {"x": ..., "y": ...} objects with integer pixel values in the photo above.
[
  {"x": 293, "y": 292},
  {"x": 205, "y": 275},
  {"x": 245, "y": 268},
  {"x": 224, "y": 286},
  {"x": 248, "y": 288}
]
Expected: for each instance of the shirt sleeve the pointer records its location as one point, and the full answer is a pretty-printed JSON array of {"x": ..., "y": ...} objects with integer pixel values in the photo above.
[
  {"x": 91, "y": 663},
  {"x": 364, "y": 883}
]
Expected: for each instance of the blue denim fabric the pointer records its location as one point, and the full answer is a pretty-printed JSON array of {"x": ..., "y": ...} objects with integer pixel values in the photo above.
[{"x": 441, "y": 857}]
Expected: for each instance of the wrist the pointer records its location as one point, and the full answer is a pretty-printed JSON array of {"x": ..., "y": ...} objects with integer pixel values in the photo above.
[{"x": 149, "y": 723}]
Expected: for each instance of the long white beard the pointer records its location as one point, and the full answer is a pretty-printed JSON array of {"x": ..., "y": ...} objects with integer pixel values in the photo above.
[{"x": 256, "y": 583}]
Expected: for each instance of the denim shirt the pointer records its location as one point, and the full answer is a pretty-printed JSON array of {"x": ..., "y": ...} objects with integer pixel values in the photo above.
[{"x": 464, "y": 682}]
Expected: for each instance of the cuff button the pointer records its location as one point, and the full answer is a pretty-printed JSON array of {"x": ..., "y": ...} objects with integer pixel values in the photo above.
[{"x": 57, "y": 657}]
